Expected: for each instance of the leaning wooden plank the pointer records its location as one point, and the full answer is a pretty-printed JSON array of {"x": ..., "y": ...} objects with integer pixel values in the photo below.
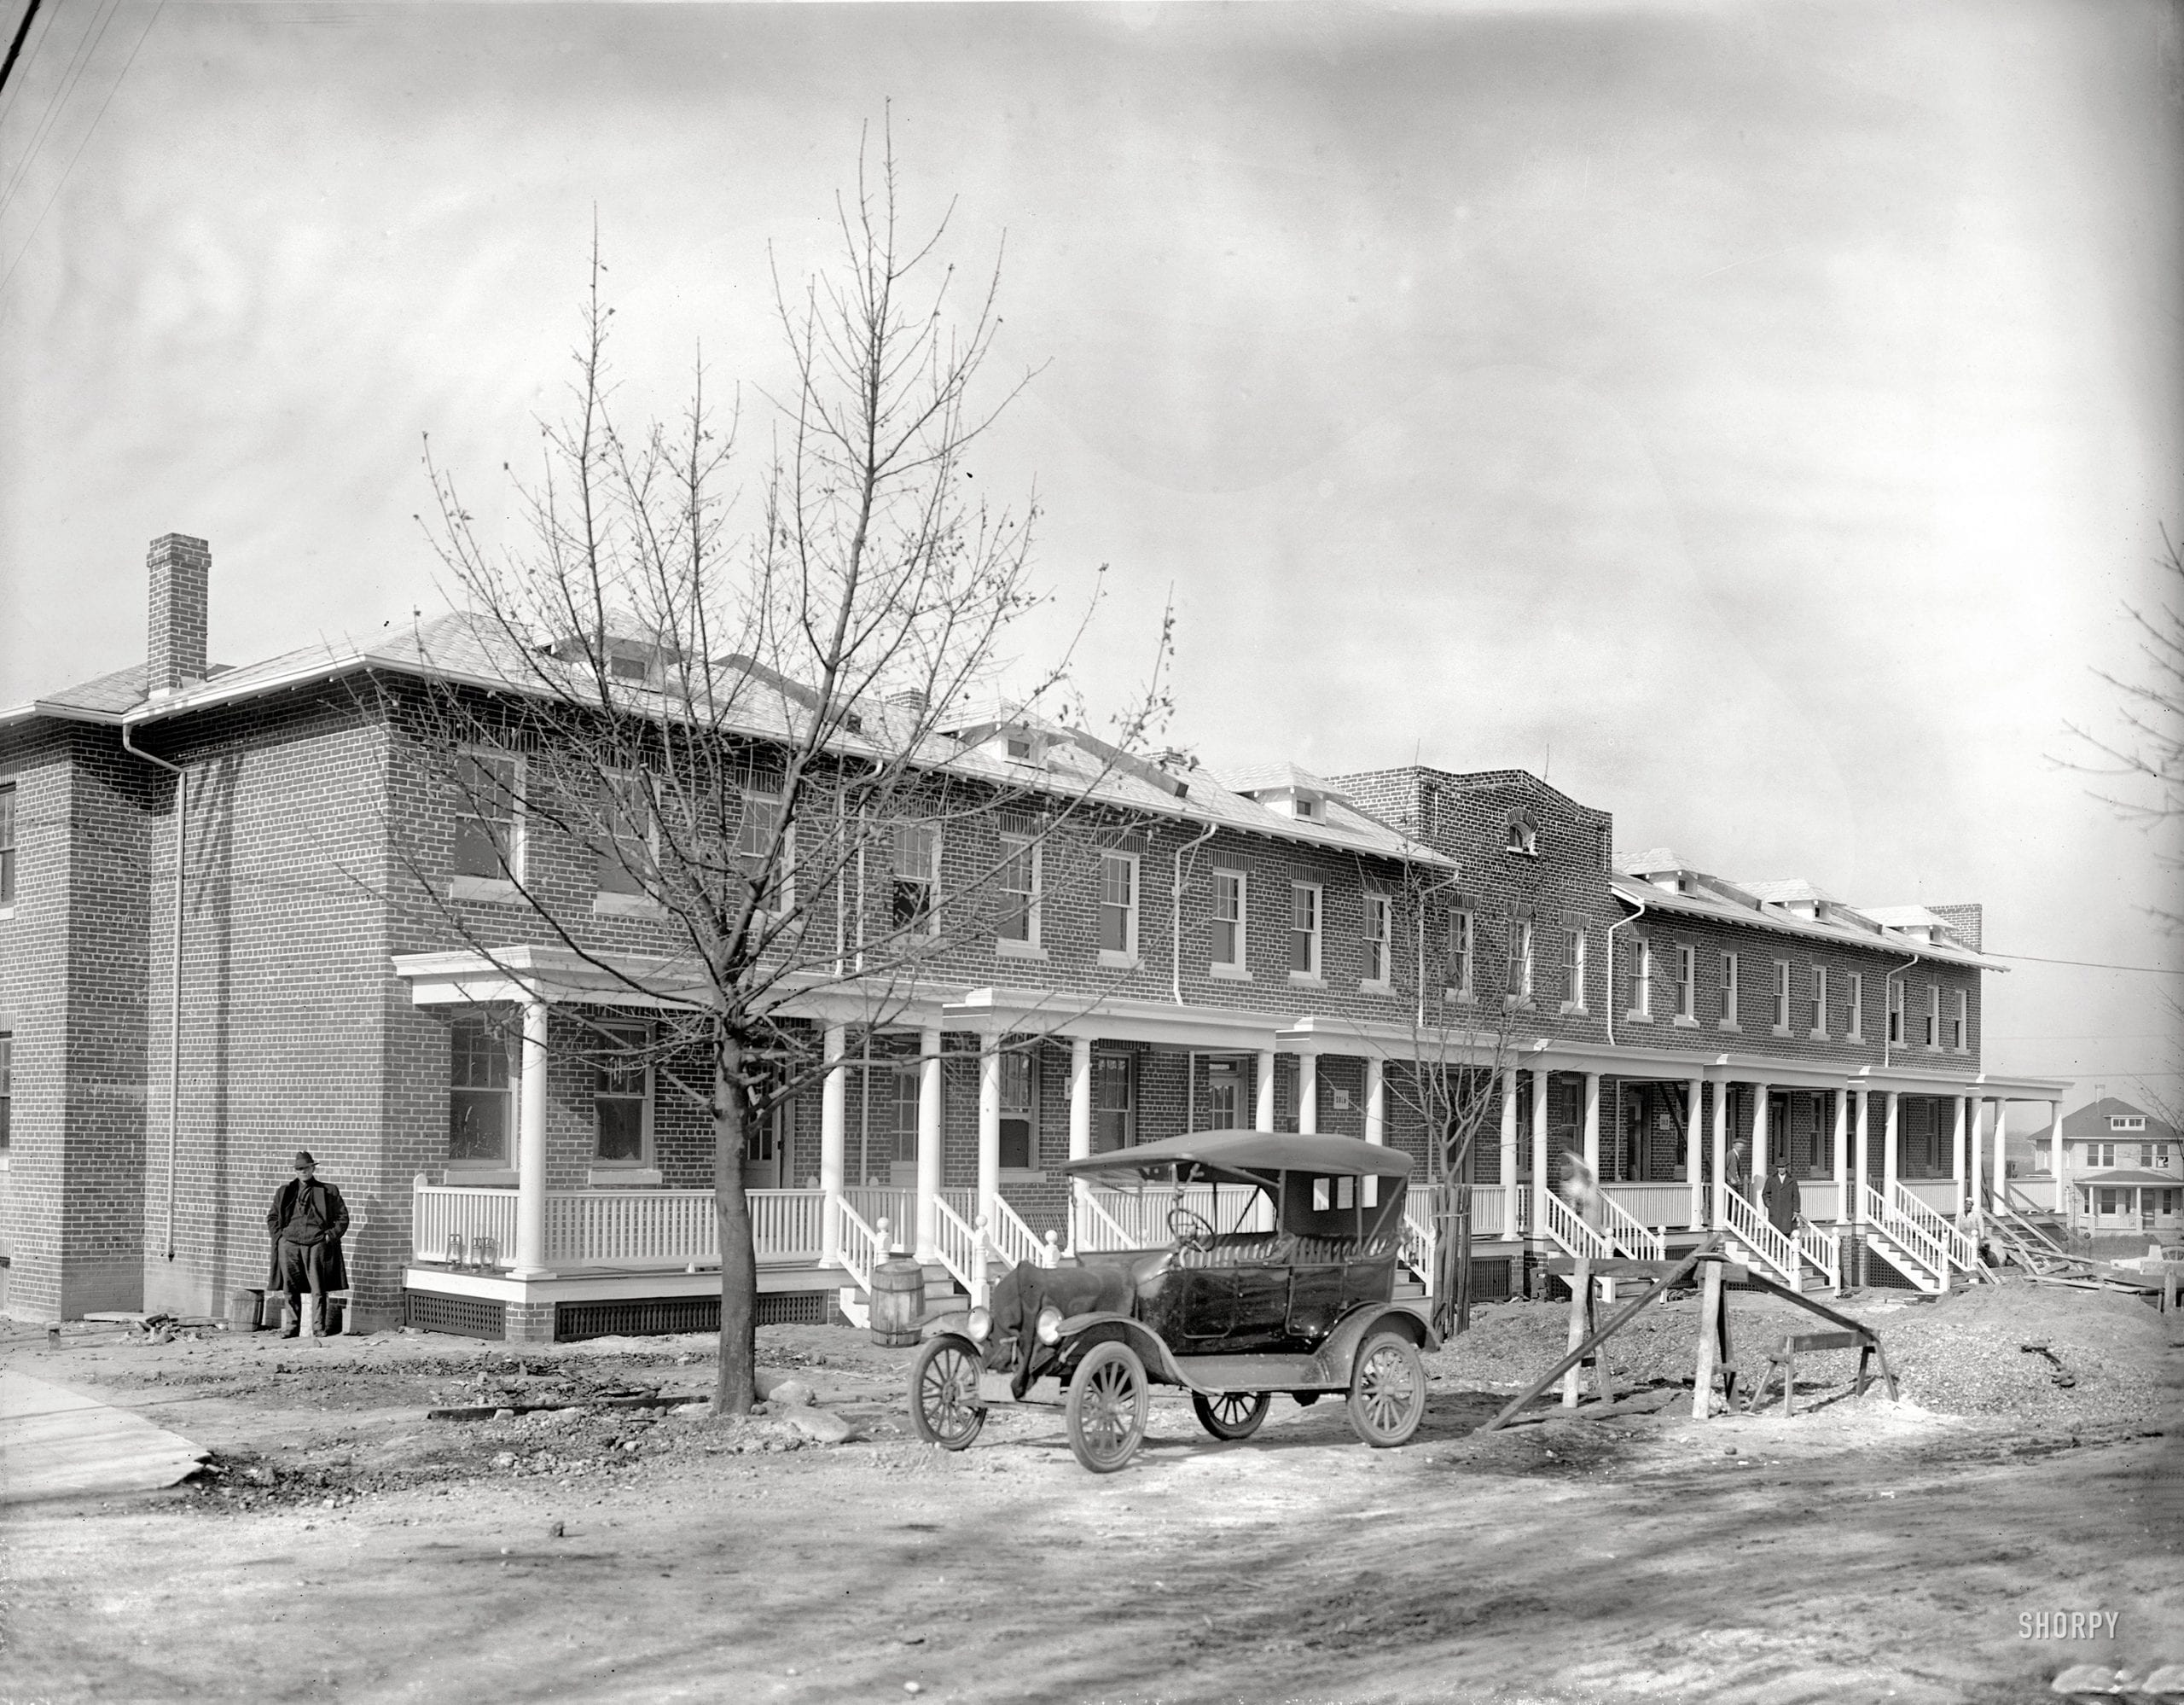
[
  {"x": 1804, "y": 1343},
  {"x": 1760, "y": 1281},
  {"x": 1562, "y": 1266},
  {"x": 1682, "y": 1270}
]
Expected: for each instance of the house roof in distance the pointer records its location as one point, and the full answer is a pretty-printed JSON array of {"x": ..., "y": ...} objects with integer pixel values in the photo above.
[{"x": 2090, "y": 1123}]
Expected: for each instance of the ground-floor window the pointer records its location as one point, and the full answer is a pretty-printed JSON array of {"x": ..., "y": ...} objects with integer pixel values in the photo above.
[
  {"x": 7, "y": 1088},
  {"x": 480, "y": 1100},
  {"x": 1224, "y": 1097},
  {"x": 1114, "y": 1102},
  {"x": 621, "y": 1096},
  {"x": 904, "y": 1083},
  {"x": 1018, "y": 1116}
]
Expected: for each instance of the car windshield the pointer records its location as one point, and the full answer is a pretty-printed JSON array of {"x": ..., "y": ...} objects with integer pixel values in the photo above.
[{"x": 1225, "y": 1202}]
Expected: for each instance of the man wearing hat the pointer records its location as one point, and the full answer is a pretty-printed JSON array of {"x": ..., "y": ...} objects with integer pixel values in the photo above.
[{"x": 306, "y": 1225}]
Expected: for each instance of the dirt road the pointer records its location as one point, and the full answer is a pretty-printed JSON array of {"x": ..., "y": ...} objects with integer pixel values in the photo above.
[{"x": 351, "y": 1548}]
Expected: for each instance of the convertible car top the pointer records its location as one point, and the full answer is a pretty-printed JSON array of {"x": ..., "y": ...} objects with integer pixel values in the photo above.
[{"x": 1254, "y": 1153}]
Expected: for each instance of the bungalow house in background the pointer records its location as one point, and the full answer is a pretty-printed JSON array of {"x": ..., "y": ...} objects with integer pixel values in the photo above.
[
  {"x": 2122, "y": 1176},
  {"x": 1265, "y": 948}
]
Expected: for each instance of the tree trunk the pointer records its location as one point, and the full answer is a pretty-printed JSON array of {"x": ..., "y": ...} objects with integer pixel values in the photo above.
[
  {"x": 733, "y": 1391},
  {"x": 1463, "y": 1240}
]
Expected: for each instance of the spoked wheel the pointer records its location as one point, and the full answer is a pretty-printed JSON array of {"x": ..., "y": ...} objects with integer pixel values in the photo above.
[
  {"x": 1106, "y": 1411},
  {"x": 944, "y": 1406},
  {"x": 1387, "y": 1390},
  {"x": 1233, "y": 1414}
]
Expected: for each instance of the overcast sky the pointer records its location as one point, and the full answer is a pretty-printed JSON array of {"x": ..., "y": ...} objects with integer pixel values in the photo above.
[{"x": 1758, "y": 417}]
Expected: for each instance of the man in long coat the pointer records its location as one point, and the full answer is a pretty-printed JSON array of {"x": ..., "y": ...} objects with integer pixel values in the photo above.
[
  {"x": 1782, "y": 1199},
  {"x": 306, "y": 1223}
]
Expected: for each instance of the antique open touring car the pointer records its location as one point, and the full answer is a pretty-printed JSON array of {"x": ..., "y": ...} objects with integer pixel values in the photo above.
[{"x": 1280, "y": 1277}]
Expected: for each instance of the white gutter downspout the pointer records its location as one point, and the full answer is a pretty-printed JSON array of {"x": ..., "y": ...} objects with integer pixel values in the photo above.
[
  {"x": 1176, "y": 915},
  {"x": 174, "y": 1034},
  {"x": 1611, "y": 928},
  {"x": 1887, "y": 1043}
]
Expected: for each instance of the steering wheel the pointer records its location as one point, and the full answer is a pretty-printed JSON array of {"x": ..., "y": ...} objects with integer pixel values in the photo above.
[{"x": 1193, "y": 1230}]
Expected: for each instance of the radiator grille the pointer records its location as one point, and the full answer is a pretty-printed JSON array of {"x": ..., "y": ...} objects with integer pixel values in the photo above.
[{"x": 467, "y": 1317}]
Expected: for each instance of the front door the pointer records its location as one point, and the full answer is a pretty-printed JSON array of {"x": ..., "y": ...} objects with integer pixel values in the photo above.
[{"x": 762, "y": 1150}]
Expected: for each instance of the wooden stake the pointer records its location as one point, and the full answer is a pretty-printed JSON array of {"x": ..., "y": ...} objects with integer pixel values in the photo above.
[
  {"x": 1581, "y": 1297},
  {"x": 1709, "y": 1316}
]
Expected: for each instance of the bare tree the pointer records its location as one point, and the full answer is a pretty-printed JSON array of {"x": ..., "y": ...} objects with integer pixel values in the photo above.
[{"x": 774, "y": 733}]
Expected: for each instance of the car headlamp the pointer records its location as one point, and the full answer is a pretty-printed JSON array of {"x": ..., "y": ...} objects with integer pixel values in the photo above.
[
  {"x": 981, "y": 1323},
  {"x": 1048, "y": 1326}
]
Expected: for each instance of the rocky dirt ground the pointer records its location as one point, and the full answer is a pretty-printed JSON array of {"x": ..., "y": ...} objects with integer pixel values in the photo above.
[{"x": 343, "y": 1544}]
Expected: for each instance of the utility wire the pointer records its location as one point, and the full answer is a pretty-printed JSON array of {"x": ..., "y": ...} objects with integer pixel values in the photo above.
[
  {"x": 15, "y": 47},
  {"x": 86, "y": 44},
  {"x": 81, "y": 146},
  {"x": 2090, "y": 964}
]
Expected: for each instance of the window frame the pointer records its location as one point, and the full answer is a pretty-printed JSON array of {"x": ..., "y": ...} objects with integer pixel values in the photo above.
[
  {"x": 1959, "y": 1023},
  {"x": 1021, "y": 906},
  {"x": 508, "y": 1089},
  {"x": 1517, "y": 962},
  {"x": 610, "y": 864},
  {"x": 7, "y": 837},
  {"x": 1780, "y": 1026},
  {"x": 1894, "y": 1021},
  {"x": 1731, "y": 990},
  {"x": 922, "y": 921},
  {"x": 636, "y": 1038},
  {"x": 1313, "y": 936},
  {"x": 7, "y": 1096},
  {"x": 1687, "y": 983},
  {"x": 1820, "y": 1003},
  {"x": 1012, "y": 1061},
  {"x": 1575, "y": 947},
  {"x": 1125, "y": 957},
  {"x": 1238, "y": 968},
  {"x": 1931, "y": 1020},
  {"x": 511, "y": 867},
  {"x": 1854, "y": 1028},
  {"x": 1109, "y": 1058},
  {"x": 783, "y": 892},
  {"x": 1462, "y": 955},
  {"x": 1379, "y": 944}
]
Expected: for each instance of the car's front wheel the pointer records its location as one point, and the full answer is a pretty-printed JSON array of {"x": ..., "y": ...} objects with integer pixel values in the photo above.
[
  {"x": 1233, "y": 1414},
  {"x": 1106, "y": 1411},
  {"x": 944, "y": 1406},
  {"x": 1387, "y": 1390}
]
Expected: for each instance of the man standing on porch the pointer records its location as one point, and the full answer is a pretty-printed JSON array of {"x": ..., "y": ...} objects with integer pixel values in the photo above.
[
  {"x": 1782, "y": 1199},
  {"x": 306, "y": 1223}
]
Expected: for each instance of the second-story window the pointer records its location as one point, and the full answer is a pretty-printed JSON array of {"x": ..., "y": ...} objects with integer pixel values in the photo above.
[
  {"x": 1729, "y": 991},
  {"x": 1686, "y": 982},
  {"x": 1229, "y": 919},
  {"x": 1378, "y": 915},
  {"x": 1573, "y": 965},
  {"x": 1119, "y": 906},
  {"x": 1895, "y": 1012},
  {"x": 1641, "y": 1004},
  {"x": 1819, "y": 1000},
  {"x": 1781, "y": 1020},
  {"x": 1959, "y": 1023},
  {"x": 759, "y": 835},
  {"x": 628, "y": 850},
  {"x": 1854, "y": 1008},
  {"x": 8, "y": 844},
  {"x": 488, "y": 828},
  {"x": 1463, "y": 949},
  {"x": 1518, "y": 979},
  {"x": 1933, "y": 1022},
  {"x": 917, "y": 877},
  {"x": 1303, "y": 929},
  {"x": 1019, "y": 890}
]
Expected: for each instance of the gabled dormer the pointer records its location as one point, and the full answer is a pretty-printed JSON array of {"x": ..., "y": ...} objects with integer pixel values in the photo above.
[{"x": 1285, "y": 790}]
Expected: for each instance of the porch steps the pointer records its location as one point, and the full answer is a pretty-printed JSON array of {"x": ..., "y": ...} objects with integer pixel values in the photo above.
[{"x": 1921, "y": 1276}]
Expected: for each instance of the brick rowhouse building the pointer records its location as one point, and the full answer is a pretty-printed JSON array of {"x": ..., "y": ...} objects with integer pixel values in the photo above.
[{"x": 1267, "y": 949}]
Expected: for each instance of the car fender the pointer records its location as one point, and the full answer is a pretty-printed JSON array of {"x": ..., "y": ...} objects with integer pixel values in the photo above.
[
  {"x": 956, "y": 1325},
  {"x": 1339, "y": 1352},
  {"x": 1080, "y": 1332}
]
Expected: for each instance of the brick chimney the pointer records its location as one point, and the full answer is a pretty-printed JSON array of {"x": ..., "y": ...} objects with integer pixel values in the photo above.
[{"x": 182, "y": 597}]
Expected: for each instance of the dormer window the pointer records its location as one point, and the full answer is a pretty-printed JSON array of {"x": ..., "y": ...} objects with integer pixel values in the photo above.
[
  {"x": 1306, "y": 806},
  {"x": 1523, "y": 836},
  {"x": 1018, "y": 747}
]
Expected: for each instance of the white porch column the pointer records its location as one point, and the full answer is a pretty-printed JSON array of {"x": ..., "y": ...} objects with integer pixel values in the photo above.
[
  {"x": 1721, "y": 1151},
  {"x": 1975, "y": 1178},
  {"x": 929, "y": 1138},
  {"x": 1957, "y": 1151},
  {"x": 1844, "y": 1206},
  {"x": 1593, "y": 1123},
  {"x": 1865, "y": 1156},
  {"x": 988, "y": 1122},
  {"x": 530, "y": 1148},
  {"x": 1758, "y": 1137},
  {"x": 2002, "y": 1130},
  {"x": 1376, "y": 1100},
  {"x": 1080, "y": 1121},
  {"x": 1694, "y": 1147},
  {"x": 2054, "y": 1150},
  {"x": 1511, "y": 1223},
  {"x": 1889, "y": 1161},
  {"x": 1263, "y": 1115},
  {"x": 1308, "y": 1092},
  {"x": 1540, "y": 1172},
  {"x": 834, "y": 1123}
]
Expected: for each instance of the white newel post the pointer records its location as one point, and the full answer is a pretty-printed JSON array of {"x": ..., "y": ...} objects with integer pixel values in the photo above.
[
  {"x": 1511, "y": 1223},
  {"x": 1890, "y": 1138},
  {"x": 1844, "y": 1208},
  {"x": 929, "y": 1138},
  {"x": 989, "y": 1123},
  {"x": 1080, "y": 1123},
  {"x": 834, "y": 1123},
  {"x": 1721, "y": 1152},
  {"x": 1376, "y": 1100},
  {"x": 1865, "y": 1156},
  {"x": 1694, "y": 1147},
  {"x": 1263, "y": 1118},
  {"x": 1542, "y": 1175},
  {"x": 1308, "y": 1093},
  {"x": 531, "y": 1147}
]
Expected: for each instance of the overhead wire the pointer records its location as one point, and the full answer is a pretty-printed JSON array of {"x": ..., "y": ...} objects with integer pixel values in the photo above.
[
  {"x": 15, "y": 47},
  {"x": 65, "y": 85}
]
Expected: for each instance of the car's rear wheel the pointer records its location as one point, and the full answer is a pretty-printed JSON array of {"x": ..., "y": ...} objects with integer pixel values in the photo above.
[
  {"x": 1233, "y": 1414},
  {"x": 1106, "y": 1411},
  {"x": 1387, "y": 1390},
  {"x": 944, "y": 1406}
]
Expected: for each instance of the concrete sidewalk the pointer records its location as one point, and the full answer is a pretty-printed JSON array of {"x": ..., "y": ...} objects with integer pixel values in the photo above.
[{"x": 59, "y": 1443}]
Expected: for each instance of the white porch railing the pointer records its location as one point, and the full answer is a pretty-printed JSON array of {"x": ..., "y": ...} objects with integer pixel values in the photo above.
[
  {"x": 1014, "y": 1240},
  {"x": 1943, "y": 1197},
  {"x": 1751, "y": 1228},
  {"x": 1655, "y": 1204},
  {"x": 1092, "y": 1227},
  {"x": 1820, "y": 1200},
  {"x": 896, "y": 1205},
  {"x": 1420, "y": 1238},
  {"x": 1490, "y": 1211},
  {"x": 1635, "y": 1240},
  {"x": 863, "y": 1247},
  {"x": 1565, "y": 1228},
  {"x": 647, "y": 1230},
  {"x": 1818, "y": 1246},
  {"x": 448, "y": 1221},
  {"x": 1908, "y": 1235},
  {"x": 960, "y": 1248},
  {"x": 2029, "y": 1195},
  {"x": 786, "y": 1223},
  {"x": 1962, "y": 1252},
  {"x": 1520, "y": 1210}
]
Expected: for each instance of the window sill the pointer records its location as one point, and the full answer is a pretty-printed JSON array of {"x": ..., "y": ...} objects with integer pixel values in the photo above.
[
  {"x": 1229, "y": 973},
  {"x": 1683, "y": 1023},
  {"x": 1637, "y": 1016},
  {"x": 605, "y": 903},
  {"x": 1815, "y": 1035},
  {"x": 480, "y": 889},
  {"x": 1857, "y": 1037},
  {"x": 1374, "y": 986},
  {"x": 1518, "y": 1003},
  {"x": 1111, "y": 961},
  {"x": 1573, "y": 1009},
  {"x": 1778, "y": 1030},
  {"x": 1021, "y": 1175},
  {"x": 1308, "y": 980},
  {"x": 1730, "y": 1025},
  {"x": 482, "y": 1177},
  {"x": 6, "y": 912},
  {"x": 623, "y": 1178},
  {"x": 1006, "y": 948},
  {"x": 1461, "y": 997}
]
